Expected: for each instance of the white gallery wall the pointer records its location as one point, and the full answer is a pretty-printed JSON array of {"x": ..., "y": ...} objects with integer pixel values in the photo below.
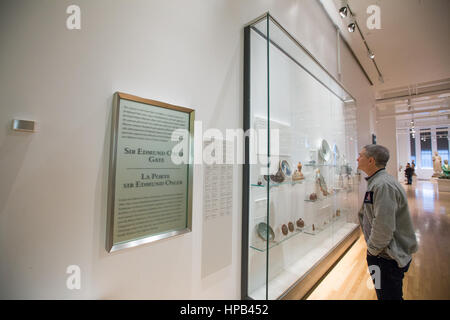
[
  {"x": 403, "y": 152},
  {"x": 53, "y": 185}
]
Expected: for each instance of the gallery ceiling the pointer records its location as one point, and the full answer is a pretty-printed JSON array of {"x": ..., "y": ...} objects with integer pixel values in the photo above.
[{"x": 412, "y": 53}]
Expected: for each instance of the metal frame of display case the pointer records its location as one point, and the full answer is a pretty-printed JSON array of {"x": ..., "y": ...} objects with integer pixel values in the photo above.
[{"x": 304, "y": 285}]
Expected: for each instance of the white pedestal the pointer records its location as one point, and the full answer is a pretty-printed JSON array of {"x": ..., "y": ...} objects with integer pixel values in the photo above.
[{"x": 443, "y": 185}]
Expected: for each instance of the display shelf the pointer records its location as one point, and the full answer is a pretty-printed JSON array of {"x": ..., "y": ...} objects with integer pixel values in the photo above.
[
  {"x": 277, "y": 184},
  {"x": 322, "y": 197},
  {"x": 260, "y": 245},
  {"x": 318, "y": 229},
  {"x": 320, "y": 165}
]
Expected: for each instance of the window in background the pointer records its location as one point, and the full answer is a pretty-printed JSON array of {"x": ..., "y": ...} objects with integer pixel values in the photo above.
[
  {"x": 412, "y": 142},
  {"x": 425, "y": 149},
  {"x": 442, "y": 143}
]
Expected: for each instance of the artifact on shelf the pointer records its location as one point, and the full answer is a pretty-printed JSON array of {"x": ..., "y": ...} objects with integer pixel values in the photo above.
[
  {"x": 322, "y": 184},
  {"x": 340, "y": 181},
  {"x": 260, "y": 182},
  {"x": 277, "y": 178},
  {"x": 337, "y": 154},
  {"x": 313, "y": 196},
  {"x": 300, "y": 223},
  {"x": 298, "y": 175},
  {"x": 338, "y": 212},
  {"x": 284, "y": 229},
  {"x": 291, "y": 226},
  {"x": 313, "y": 228},
  {"x": 262, "y": 229},
  {"x": 285, "y": 168},
  {"x": 446, "y": 169},
  {"x": 324, "y": 152},
  {"x": 313, "y": 156}
]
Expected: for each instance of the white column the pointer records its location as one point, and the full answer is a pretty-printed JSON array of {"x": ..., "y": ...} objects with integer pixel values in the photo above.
[
  {"x": 433, "y": 141},
  {"x": 387, "y": 131},
  {"x": 418, "y": 149}
]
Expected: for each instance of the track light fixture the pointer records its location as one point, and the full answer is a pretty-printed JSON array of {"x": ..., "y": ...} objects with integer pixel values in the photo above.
[
  {"x": 343, "y": 11},
  {"x": 351, "y": 27}
]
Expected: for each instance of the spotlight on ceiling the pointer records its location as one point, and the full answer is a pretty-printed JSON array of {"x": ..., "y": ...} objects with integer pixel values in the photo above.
[
  {"x": 343, "y": 12},
  {"x": 351, "y": 27},
  {"x": 371, "y": 55}
]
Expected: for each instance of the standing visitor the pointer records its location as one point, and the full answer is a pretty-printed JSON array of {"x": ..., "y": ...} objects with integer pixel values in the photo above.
[{"x": 386, "y": 224}]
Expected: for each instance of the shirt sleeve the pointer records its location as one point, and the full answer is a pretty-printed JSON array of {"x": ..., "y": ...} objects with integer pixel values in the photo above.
[
  {"x": 383, "y": 225},
  {"x": 361, "y": 215}
]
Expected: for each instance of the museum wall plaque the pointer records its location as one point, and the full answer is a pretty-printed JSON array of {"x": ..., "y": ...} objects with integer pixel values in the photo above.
[{"x": 150, "y": 172}]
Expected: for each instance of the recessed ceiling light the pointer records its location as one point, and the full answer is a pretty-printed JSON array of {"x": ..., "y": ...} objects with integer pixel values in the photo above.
[
  {"x": 343, "y": 12},
  {"x": 371, "y": 55}
]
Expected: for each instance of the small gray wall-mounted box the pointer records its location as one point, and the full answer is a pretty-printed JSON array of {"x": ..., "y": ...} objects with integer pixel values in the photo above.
[{"x": 23, "y": 125}]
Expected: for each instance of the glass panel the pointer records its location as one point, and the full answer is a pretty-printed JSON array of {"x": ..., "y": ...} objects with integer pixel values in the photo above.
[
  {"x": 425, "y": 149},
  {"x": 442, "y": 143},
  {"x": 305, "y": 204},
  {"x": 259, "y": 222}
]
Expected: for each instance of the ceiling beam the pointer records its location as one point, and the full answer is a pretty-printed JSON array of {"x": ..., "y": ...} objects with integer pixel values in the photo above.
[
  {"x": 426, "y": 117},
  {"x": 412, "y": 112},
  {"x": 413, "y": 96},
  {"x": 444, "y": 102},
  {"x": 438, "y": 123}
]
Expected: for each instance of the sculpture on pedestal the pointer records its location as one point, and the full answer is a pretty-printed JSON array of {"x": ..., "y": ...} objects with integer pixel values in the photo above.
[
  {"x": 437, "y": 165},
  {"x": 446, "y": 168}
]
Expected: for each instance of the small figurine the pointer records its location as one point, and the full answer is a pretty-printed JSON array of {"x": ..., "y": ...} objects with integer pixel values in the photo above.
[
  {"x": 340, "y": 181},
  {"x": 300, "y": 223},
  {"x": 338, "y": 212},
  {"x": 313, "y": 228},
  {"x": 446, "y": 168},
  {"x": 321, "y": 182},
  {"x": 313, "y": 196},
  {"x": 298, "y": 175}
]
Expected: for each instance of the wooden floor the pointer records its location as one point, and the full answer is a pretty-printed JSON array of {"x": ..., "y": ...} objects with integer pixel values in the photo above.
[{"x": 429, "y": 274}]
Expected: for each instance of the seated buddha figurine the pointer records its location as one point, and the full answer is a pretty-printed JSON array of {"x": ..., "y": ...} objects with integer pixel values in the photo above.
[
  {"x": 446, "y": 168},
  {"x": 298, "y": 175}
]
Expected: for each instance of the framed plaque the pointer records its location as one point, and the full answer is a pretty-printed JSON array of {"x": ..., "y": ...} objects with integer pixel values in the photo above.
[{"x": 150, "y": 172}]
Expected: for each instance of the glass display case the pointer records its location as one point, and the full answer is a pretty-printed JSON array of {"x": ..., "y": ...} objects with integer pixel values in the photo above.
[{"x": 300, "y": 187}]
